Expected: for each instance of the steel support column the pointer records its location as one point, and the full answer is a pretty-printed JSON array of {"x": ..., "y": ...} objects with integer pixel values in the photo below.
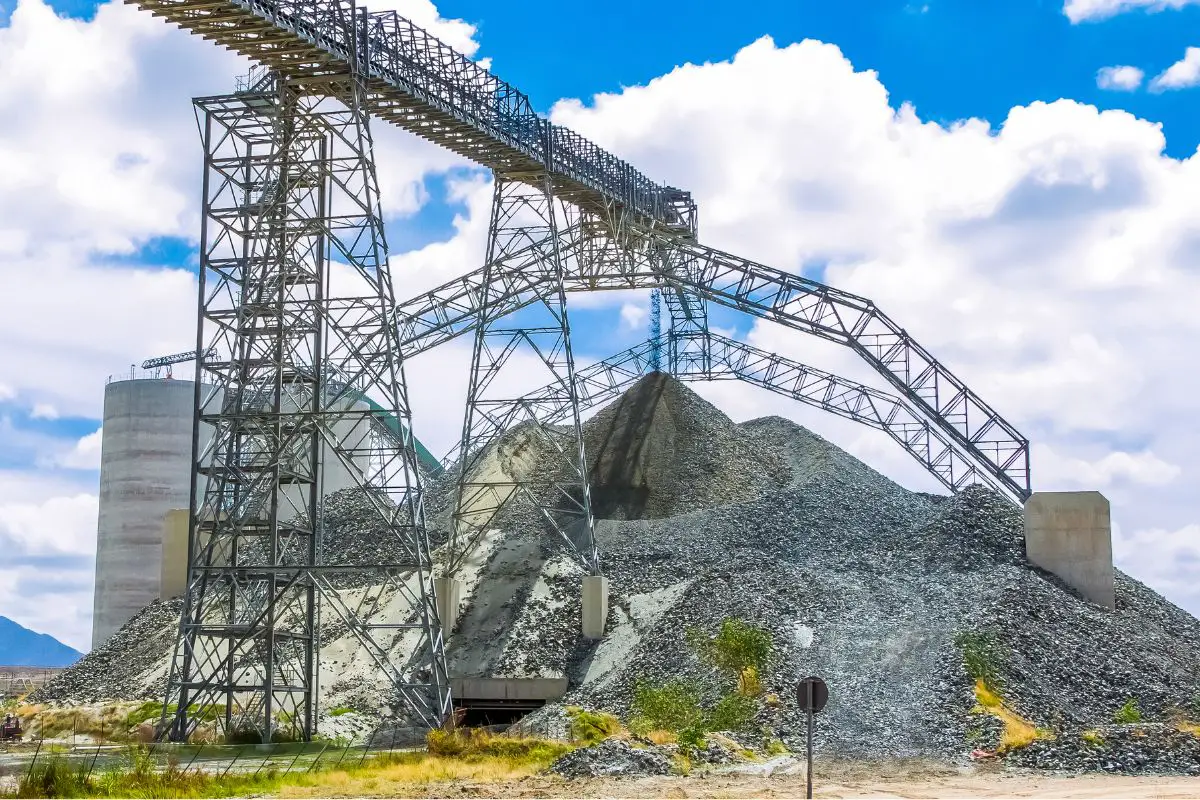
[
  {"x": 295, "y": 312},
  {"x": 538, "y": 341}
]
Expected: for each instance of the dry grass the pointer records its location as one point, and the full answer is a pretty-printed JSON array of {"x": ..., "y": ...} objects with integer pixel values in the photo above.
[
  {"x": 409, "y": 771},
  {"x": 662, "y": 737},
  {"x": 1187, "y": 726},
  {"x": 1018, "y": 731}
]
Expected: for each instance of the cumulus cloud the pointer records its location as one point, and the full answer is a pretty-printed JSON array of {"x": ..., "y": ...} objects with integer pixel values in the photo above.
[
  {"x": 1090, "y": 10},
  {"x": 85, "y": 454},
  {"x": 633, "y": 316},
  {"x": 1124, "y": 78},
  {"x": 1183, "y": 74}
]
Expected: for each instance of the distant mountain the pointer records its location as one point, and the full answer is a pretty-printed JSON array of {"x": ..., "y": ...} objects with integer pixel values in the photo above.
[{"x": 21, "y": 647}]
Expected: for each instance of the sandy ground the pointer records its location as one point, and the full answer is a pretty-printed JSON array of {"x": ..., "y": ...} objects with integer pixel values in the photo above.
[{"x": 961, "y": 786}]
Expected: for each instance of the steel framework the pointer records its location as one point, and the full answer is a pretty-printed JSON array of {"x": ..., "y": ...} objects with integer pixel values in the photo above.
[
  {"x": 294, "y": 325},
  {"x": 692, "y": 275},
  {"x": 523, "y": 216}
]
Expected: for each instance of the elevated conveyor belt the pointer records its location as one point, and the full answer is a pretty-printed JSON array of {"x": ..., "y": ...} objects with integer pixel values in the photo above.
[
  {"x": 423, "y": 85},
  {"x": 730, "y": 359}
]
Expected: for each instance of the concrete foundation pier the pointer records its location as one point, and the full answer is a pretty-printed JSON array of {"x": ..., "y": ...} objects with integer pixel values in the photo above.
[
  {"x": 595, "y": 606},
  {"x": 1070, "y": 535},
  {"x": 174, "y": 572},
  {"x": 448, "y": 597}
]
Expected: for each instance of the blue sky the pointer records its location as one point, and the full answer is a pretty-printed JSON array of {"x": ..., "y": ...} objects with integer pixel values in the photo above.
[
  {"x": 1045, "y": 258},
  {"x": 951, "y": 58}
]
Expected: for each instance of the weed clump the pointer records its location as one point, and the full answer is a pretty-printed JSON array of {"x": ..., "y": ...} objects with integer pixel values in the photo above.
[
  {"x": 672, "y": 706},
  {"x": 1128, "y": 714},
  {"x": 740, "y": 650},
  {"x": 479, "y": 744},
  {"x": 981, "y": 654},
  {"x": 591, "y": 727}
]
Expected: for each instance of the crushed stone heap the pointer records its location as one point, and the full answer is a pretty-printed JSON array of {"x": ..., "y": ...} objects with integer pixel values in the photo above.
[
  {"x": 660, "y": 450},
  {"x": 858, "y": 580}
]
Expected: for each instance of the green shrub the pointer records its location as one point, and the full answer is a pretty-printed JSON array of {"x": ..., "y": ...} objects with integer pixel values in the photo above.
[
  {"x": 732, "y": 712},
  {"x": 737, "y": 646},
  {"x": 691, "y": 738},
  {"x": 340, "y": 711},
  {"x": 591, "y": 727},
  {"x": 776, "y": 748},
  {"x": 146, "y": 712},
  {"x": 981, "y": 656},
  {"x": 1129, "y": 713},
  {"x": 673, "y": 706}
]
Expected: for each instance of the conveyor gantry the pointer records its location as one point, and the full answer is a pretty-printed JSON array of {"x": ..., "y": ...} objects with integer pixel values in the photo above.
[{"x": 421, "y": 84}]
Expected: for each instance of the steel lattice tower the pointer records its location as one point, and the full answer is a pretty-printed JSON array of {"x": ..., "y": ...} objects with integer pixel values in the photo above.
[
  {"x": 525, "y": 212},
  {"x": 306, "y": 376}
]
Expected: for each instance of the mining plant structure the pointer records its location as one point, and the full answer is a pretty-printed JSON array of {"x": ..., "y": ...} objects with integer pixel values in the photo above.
[{"x": 302, "y": 345}]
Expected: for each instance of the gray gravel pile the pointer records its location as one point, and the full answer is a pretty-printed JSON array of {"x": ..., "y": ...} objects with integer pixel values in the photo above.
[
  {"x": 1143, "y": 749},
  {"x": 131, "y": 665},
  {"x": 357, "y": 534},
  {"x": 612, "y": 757},
  {"x": 857, "y": 579},
  {"x": 1069, "y": 664},
  {"x": 660, "y": 450}
]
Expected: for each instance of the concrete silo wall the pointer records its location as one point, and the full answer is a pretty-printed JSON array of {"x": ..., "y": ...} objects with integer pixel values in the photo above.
[{"x": 145, "y": 471}]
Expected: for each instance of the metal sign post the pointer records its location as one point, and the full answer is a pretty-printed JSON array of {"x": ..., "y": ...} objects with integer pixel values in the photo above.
[{"x": 812, "y": 694}]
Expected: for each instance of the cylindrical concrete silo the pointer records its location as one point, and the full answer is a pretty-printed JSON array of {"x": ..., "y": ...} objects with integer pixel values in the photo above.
[{"x": 145, "y": 471}]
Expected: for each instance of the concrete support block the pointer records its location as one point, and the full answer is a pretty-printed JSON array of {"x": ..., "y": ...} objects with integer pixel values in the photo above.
[
  {"x": 448, "y": 596},
  {"x": 595, "y": 606},
  {"x": 1070, "y": 535},
  {"x": 173, "y": 572}
]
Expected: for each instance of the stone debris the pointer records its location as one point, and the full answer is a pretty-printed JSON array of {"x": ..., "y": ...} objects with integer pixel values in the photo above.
[
  {"x": 1143, "y": 749},
  {"x": 612, "y": 757},
  {"x": 858, "y": 580},
  {"x": 131, "y": 665}
]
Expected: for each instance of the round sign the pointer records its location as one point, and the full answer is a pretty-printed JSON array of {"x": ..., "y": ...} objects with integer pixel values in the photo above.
[{"x": 812, "y": 694}]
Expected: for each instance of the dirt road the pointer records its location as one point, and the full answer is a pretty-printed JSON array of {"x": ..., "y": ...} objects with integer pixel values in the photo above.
[{"x": 974, "y": 784}]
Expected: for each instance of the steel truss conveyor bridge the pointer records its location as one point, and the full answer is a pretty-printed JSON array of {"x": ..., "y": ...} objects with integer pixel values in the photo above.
[{"x": 290, "y": 191}]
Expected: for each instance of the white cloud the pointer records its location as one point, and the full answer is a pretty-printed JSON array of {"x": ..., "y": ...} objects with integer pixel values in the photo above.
[
  {"x": 1166, "y": 560},
  {"x": 1124, "y": 78},
  {"x": 44, "y": 411},
  {"x": 633, "y": 316},
  {"x": 1071, "y": 474},
  {"x": 52, "y": 526},
  {"x": 1183, "y": 74},
  {"x": 1089, "y": 10},
  {"x": 84, "y": 455}
]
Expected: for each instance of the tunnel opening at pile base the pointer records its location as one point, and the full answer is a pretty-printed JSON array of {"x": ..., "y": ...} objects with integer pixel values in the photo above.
[{"x": 490, "y": 713}]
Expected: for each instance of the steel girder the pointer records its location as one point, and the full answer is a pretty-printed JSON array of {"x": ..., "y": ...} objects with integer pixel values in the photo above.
[
  {"x": 730, "y": 359},
  {"x": 290, "y": 195},
  {"x": 558, "y": 487},
  {"x": 656, "y": 258}
]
